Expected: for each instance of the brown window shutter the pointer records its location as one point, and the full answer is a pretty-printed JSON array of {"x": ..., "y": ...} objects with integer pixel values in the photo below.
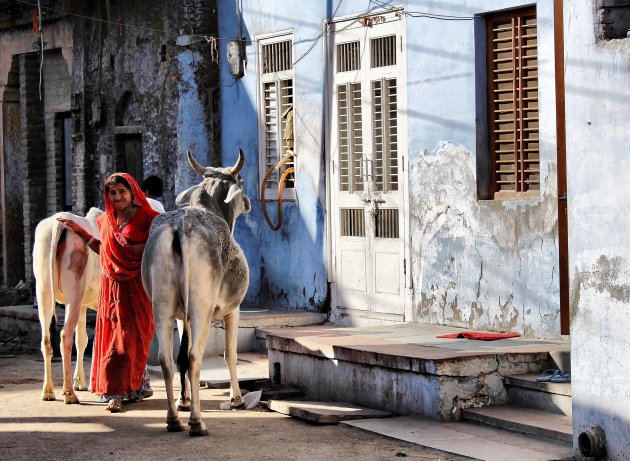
[{"x": 513, "y": 103}]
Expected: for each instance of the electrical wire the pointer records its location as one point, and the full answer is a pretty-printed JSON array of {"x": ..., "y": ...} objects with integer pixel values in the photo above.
[
  {"x": 414, "y": 14},
  {"x": 422, "y": 14},
  {"x": 113, "y": 23},
  {"x": 318, "y": 38},
  {"x": 41, "y": 46}
]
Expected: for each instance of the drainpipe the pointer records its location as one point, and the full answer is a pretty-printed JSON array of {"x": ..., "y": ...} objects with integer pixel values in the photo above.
[{"x": 593, "y": 443}]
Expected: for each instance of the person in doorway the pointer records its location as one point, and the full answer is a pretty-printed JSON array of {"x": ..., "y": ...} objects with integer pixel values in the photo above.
[
  {"x": 153, "y": 187},
  {"x": 124, "y": 321}
]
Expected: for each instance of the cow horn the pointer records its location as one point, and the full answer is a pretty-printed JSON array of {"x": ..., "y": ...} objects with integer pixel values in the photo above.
[
  {"x": 239, "y": 164},
  {"x": 193, "y": 163}
]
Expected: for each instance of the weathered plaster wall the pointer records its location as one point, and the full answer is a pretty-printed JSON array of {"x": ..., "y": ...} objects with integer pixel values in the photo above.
[
  {"x": 128, "y": 74},
  {"x": 57, "y": 34},
  {"x": 478, "y": 264},
  {"x": 153, "y": 80},
  {"x": 287, "y": 268},
  {"x": 597, "y": 103}
]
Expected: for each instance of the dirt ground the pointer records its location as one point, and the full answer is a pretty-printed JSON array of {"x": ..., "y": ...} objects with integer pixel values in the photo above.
[{"x": 31, "y": 429}]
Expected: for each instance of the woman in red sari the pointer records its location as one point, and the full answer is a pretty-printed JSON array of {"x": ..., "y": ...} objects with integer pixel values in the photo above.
[{"x": 124, "y": 321}]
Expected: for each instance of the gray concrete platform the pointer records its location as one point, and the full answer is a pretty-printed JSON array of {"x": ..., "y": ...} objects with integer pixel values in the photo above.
[
  {"x": 466, "y": 439},
  {"x": 526, "y": 420},
  {"x": 324, "y": 412},
  {"x": 404, "y": 369}
]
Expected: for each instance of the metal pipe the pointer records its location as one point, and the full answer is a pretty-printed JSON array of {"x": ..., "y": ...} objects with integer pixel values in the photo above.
[{"x": 593, "y": 443}]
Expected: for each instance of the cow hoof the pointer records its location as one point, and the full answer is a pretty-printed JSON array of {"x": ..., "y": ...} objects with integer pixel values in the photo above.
[
  {"x": 70, "y": 398},
  {"x": 79, "y": 386},
  {"x": 175, "y": 426},
  {"x": 197, "y": 429},
  {"x": 48, "y": 396},
  {"x": 237, "y": 402},
  {"x": 183, "y": 405}
]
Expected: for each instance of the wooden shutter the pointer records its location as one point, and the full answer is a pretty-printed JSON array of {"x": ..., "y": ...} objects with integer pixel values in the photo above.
[
  {"x": 513, "y": 104},
  {"x": 385, "y": 134},
  {"x": 277, "y": 96},
  {"x": 350, "y": 132}
]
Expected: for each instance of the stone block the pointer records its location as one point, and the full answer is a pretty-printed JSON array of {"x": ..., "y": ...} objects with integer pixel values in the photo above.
[{"x": 324, "y": 412}]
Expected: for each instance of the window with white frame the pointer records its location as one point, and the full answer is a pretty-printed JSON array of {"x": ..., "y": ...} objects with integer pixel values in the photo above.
[{"x": 276, "y": 133}]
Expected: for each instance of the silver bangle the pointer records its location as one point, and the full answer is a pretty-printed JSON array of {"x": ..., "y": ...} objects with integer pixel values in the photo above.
[{"x": 90, "y": 240}]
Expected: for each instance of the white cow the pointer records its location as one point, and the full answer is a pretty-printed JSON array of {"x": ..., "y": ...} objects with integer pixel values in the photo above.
[
  {"x": 193, "y": 269},
  {"x": 68, "y": 272},
  {"x": 65, "y": 271}
]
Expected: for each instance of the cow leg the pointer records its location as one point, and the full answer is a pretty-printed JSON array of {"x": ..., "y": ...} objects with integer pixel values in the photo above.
[
  {"x": 164, "y": 320},
  {"x": 199, "y": 328},
  {"x": 81, "y": 340},
  {"x": 73, "y": 310},
  {"x": 231, "y": 334},
  {"x": 46, "y": 307}
]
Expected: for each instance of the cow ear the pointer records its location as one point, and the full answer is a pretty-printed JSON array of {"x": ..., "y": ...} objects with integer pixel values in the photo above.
[
  {"x": 183, "y": 199},
  {"x": 247, "y": 204},
  {"x": 233, "y": 192}
]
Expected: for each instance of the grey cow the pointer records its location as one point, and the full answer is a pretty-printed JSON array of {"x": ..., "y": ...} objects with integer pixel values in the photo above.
[{"x": 193, "y": 269}]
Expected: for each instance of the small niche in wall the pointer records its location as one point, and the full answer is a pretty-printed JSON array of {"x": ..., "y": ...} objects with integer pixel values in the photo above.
[{"x": 614, "y": 18}]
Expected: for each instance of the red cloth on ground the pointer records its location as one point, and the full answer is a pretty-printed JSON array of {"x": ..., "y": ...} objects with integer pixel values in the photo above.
[
  {"x": 124, "y": 320},
  {"x": 480, "y": 335}
]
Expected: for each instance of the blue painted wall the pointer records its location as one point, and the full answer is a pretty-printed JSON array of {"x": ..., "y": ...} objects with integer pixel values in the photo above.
[
  {"x": 288, "y": 267},
  {"x": 191, "y": 131},
  {"x": 481, "y": 264}
]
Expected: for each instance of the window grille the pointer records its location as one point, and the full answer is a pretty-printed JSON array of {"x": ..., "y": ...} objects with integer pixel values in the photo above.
[
  {"x": 513, "y": 103},
  {"x": 277, "y": 56},
  {"x": 383, "y": 51},
  {"x": 387, "y": 223},
  {"x": 348, "y": 57},
  {"x": 277, "y": 88},
  {"x": 352, "y": 222}
]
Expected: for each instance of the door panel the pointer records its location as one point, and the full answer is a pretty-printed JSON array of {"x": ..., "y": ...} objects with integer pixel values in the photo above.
[{"x": 366, "y": 155}]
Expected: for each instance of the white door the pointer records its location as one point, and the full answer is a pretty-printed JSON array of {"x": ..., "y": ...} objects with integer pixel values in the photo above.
[{"x": 366, "y": 157}]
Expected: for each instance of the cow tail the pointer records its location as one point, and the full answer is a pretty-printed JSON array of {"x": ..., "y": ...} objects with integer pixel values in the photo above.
[
  {"x": 182, "y": 357},
  {"x": 57, "y": 230}
]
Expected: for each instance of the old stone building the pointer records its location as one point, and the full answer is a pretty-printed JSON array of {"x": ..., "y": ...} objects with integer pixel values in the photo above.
[{"x": 89, "y": 88}]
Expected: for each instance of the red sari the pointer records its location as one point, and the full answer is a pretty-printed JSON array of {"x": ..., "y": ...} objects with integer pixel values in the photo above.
[{"x": 124, "y": 320}]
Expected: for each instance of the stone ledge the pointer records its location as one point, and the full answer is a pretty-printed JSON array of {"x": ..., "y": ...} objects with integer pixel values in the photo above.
[{"x": 528, "y": 381}]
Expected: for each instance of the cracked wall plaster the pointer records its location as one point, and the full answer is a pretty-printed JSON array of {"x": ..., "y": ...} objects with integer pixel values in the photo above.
[{"x": 481, "y": 264}]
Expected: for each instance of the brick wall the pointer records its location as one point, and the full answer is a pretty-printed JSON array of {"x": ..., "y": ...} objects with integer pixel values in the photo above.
[
  {"x": 33, "y": 153},
  {"x": 56, "y": 94}
]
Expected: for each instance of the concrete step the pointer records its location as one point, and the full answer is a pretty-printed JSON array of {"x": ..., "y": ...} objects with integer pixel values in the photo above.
[
  {"x": 466, "y": 439},
  {"x": 252, "y": 321},
  {"x": 404, "y": 369},
  {"x": 525, "y": 391},
  {"x": 324, "y": 412},
  {"x": 529, "y": 421}
]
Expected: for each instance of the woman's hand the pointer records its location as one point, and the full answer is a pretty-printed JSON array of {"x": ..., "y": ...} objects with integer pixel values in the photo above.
[{"x": 70, "y": 224}]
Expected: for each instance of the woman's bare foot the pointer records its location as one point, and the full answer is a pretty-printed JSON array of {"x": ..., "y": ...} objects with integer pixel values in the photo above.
[{"x": 114, "y": 406}]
